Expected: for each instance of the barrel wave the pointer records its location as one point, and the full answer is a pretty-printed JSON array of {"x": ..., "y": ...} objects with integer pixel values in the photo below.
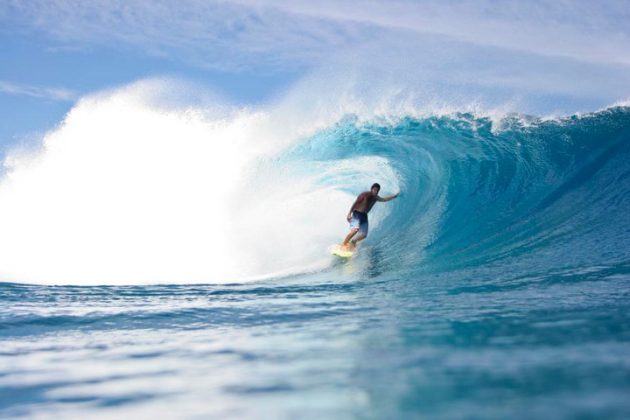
[{"x": 520, "y": 193}]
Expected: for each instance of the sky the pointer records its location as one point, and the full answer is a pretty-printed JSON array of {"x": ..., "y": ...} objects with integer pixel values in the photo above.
[{"x": 539, "y": 56}]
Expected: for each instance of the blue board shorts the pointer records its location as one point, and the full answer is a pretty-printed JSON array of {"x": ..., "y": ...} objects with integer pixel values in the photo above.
[{"x": 359, "y": 220}]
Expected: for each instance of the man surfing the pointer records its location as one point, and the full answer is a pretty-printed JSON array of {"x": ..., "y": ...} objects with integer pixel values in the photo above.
[{"x": 358, "y": 218}]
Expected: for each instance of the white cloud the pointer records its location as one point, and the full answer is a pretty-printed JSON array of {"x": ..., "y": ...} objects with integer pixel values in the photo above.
[
  {"x": 252, "y": 33},
  {"x": 578, "y": 49},
  {"x": 582, "y": 30},
  {"x": 212, "y": 34},
  {"x": 54, "y": 93}
]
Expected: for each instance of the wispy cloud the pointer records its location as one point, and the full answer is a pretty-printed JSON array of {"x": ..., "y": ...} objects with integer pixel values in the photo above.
[
  {"x": 53, "y": 93},
  {"x": 221, "y": 35},
  {"x": 576, "y": 48},
  {"x": 579, "y": 29},
  {"x": 253, "y": 33}
]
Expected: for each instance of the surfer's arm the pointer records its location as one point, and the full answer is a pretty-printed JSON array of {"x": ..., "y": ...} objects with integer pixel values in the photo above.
[
  {"x": 349, "y": 216},
  {"x": 387, "y": 198}
]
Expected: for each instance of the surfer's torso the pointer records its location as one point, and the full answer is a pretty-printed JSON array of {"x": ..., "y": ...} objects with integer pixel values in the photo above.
[{"x": 365, "y": 202}]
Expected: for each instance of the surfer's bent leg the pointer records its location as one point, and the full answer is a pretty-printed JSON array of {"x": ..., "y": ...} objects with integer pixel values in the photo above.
[
  {"x": 355, "y": 226},
  {"x": 363, "y": 229},
  {"x": 353, "y": 232}
]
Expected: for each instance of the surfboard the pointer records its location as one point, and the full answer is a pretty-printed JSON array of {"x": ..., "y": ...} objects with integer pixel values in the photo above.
[{"x": 340, "y": 252}]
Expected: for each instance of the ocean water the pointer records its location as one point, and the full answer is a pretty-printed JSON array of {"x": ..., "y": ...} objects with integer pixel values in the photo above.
[{"x": 496, "y": 286}]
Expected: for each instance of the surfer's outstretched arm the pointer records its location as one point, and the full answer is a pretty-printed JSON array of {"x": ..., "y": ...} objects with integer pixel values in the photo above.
[{"x": 387, "y": 198}]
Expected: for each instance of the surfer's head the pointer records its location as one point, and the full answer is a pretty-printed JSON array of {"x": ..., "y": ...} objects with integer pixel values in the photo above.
[{"x": 375, "y": 188}]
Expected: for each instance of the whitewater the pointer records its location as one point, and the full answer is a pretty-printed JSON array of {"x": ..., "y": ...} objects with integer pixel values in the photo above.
[{"x": 163, "y": 257}]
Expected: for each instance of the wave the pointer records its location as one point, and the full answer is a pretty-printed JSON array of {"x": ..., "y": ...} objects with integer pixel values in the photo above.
[
  {"x": 519, "y": 192},
  {"x": 128, "y": 190}
]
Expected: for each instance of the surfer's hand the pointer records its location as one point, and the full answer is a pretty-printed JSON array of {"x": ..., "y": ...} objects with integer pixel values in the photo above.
[{"x": 349, "y": 217}]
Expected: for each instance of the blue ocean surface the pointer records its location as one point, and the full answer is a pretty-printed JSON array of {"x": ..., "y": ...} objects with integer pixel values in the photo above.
[{"x": 496, "y": 286}]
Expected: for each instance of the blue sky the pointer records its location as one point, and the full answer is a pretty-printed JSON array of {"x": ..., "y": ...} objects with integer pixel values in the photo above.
[{"x": 545, "y": 56}]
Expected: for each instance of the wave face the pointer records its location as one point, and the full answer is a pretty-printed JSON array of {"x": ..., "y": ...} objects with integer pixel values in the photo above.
[
  {"x": 496, "y": 286},
  {"x": 519, "y": 194}
]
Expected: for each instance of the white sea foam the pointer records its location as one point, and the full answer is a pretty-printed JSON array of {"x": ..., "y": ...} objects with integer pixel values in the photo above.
[{"x": 128, "y": 190}]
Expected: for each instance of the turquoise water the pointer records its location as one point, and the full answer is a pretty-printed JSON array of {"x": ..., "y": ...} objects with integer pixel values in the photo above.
[{"x": 498, "y": 285}]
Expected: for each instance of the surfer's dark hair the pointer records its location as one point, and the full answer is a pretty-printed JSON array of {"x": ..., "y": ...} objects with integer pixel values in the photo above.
[{"x": 376, "y": 185}]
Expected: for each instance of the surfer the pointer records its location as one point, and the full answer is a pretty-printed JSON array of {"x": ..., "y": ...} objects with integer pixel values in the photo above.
[{"x": 358, "y": 218}]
